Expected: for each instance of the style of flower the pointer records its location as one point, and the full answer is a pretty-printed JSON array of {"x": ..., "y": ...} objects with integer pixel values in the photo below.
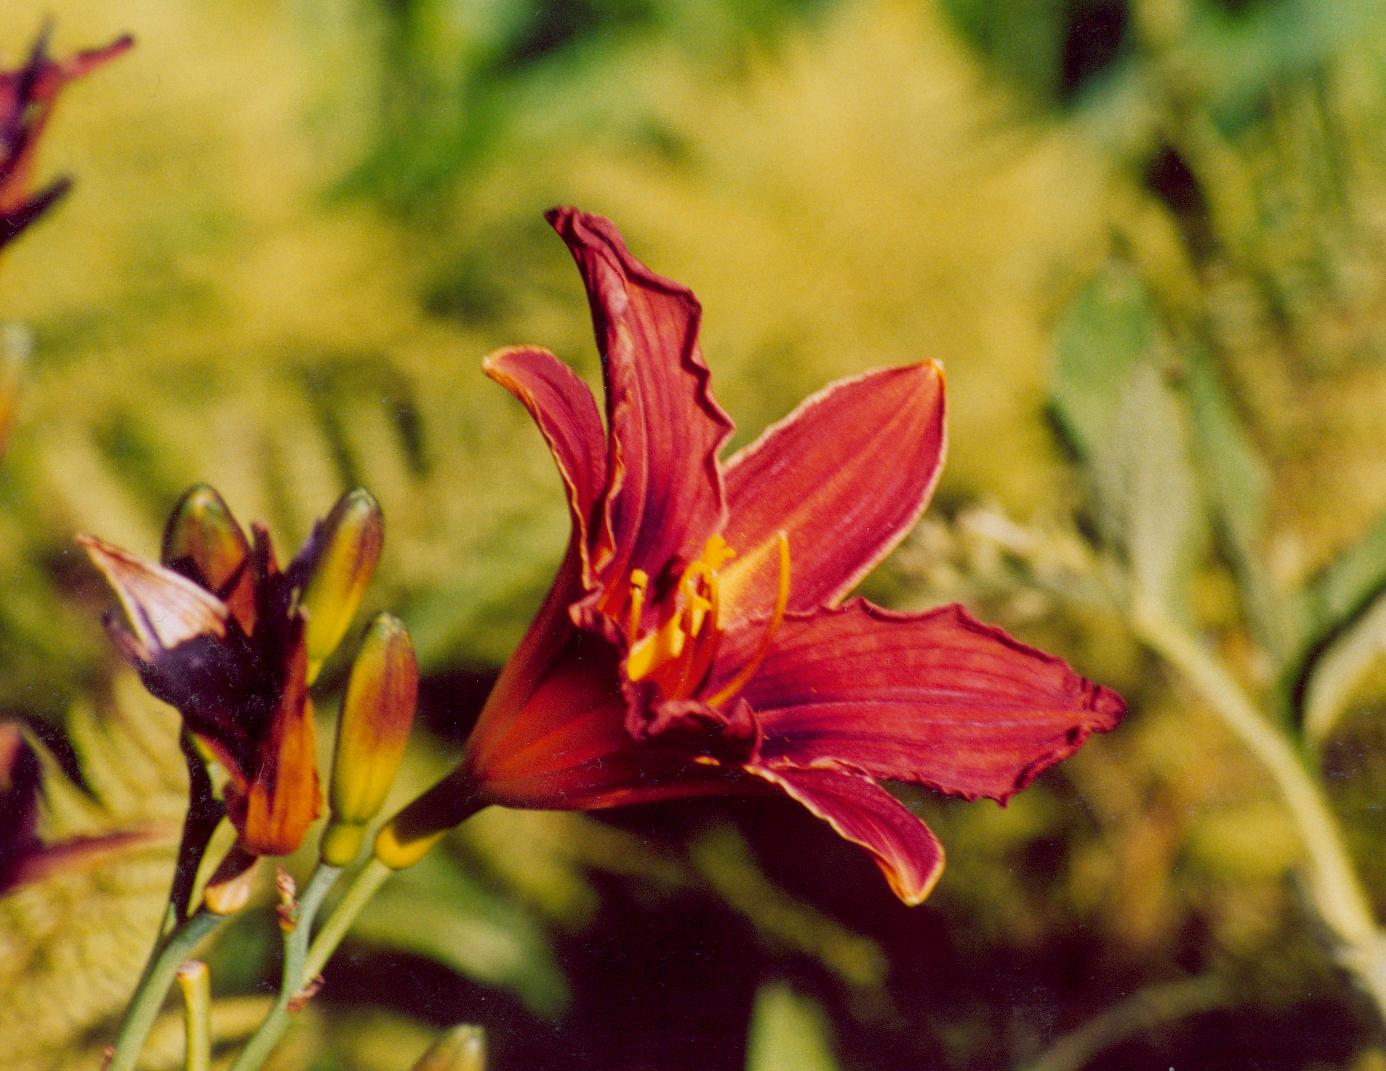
[
  {"x": 220, "y": 632},
  {"x": 696, "y": 641},
  {"x": 27, "y": 98},
  {"x": 24, "y": 858}
]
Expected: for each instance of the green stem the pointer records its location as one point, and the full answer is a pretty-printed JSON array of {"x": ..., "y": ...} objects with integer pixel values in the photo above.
[
  {"x": 365, "y": 885},
  {"x": 294, "y": 977},
  {"x": 1333, "y": 885},
  {"x": 196, "y": 985},
  {"x": 153, "y": 986}
]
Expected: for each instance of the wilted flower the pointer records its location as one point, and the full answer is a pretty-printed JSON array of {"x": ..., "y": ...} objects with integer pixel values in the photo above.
[
  {"x": 27, "y": 98},
  {"x": 24, "y": 858},
  {"x": 695, "y": 640},
  {"x": 218, "y": 631}
]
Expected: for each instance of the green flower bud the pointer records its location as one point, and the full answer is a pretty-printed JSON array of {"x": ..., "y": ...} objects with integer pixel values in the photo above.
[
  {"x": 348, "y": 550},
  {"x": 376, "y": 717},
  {"x": 463, "y": 1048},
  {"x": 203, "y": 541}
]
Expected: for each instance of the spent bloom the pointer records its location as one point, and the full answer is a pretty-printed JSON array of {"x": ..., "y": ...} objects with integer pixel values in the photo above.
[
  {"x": 24, "y": 857},
  {"x": 27, "y": 98},
  {"x": 696, "y": 640},
  {"x": 221, "y": 632}
]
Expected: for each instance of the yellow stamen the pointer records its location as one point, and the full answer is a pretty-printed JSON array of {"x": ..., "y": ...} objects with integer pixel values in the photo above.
[
  {"x": 781, "y": 604},
  {"x": 696, "y": 599}
]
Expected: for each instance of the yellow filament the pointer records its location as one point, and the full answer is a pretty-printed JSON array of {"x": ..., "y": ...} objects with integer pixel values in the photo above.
[
  {"x": 781, "y": 604},
  {"x": 639, "y": 584},
  {"x": 696, "y": 599}
]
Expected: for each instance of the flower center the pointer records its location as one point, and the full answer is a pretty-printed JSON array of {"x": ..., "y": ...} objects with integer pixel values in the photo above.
[{"x": 678, "y": 654}]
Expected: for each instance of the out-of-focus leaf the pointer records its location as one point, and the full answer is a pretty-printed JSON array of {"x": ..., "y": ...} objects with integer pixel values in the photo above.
[
  {"x": 1147, "y": 497},
  {"x": 788, "y": 1033},
  {"x": 1107, "y": 329},
  {"x": 1236, "y": 480},
  {"x": 71, "y": 946},
  {"x": 1339, "y": 668},
  {"x": 722, "y": 857},
  {"x": 438, "y": 911},
  {"x": 1344, "y": 588}
]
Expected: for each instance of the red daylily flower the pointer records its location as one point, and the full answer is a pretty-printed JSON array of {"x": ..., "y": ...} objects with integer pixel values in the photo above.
[
  {"x": 695, "y": 640},
  {"x": 27, "y": 98}
]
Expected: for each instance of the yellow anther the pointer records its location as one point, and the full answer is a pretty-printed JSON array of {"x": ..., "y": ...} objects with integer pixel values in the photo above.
[
  {"x": 668, "y": 651},
  {"x": 728, "y": 690}
]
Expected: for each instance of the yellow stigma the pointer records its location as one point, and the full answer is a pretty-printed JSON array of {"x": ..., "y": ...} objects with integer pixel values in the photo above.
[{"x": 678, "y": 654}]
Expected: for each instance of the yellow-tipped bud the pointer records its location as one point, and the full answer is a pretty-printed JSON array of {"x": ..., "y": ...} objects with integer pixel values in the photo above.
[
  {"x": 407, "y": 837},
  {"x": 229, "y": 888},
  {"x": 349, "y": 548},
  {"x": 376, "y": 717},
  {"x": 463, "y": 1048}
]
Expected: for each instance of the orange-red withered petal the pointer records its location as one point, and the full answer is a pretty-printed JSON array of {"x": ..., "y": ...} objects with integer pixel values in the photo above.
[
  {"x": 906, "y": 850},
  {"x": 845, "y": 477},
  {"x": 938, "y": 699},
  {"x": 664, "y": 485},
  {"x": 274, "y": 809}
]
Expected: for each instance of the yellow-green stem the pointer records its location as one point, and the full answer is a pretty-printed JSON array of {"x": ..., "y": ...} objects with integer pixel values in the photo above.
[
  {"x": 294, "y": 977},
  {"x": 153, "y": 987},
  {"x": 1333, "y": 885},
  {"x": 195, "y": 982},
  {"x": 365, "y": 885}
]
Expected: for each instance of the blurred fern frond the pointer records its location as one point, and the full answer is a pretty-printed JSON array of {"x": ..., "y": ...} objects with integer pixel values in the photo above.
[{"x": 72, "y": 945}]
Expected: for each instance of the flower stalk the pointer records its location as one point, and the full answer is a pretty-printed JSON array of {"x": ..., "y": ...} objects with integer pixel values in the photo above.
[
  {"x": 195, "y": 983},
  {"x": 153, "y": 987},
  {"x": 296, "y": 978},
  {"x": 1332, "y": 884}
]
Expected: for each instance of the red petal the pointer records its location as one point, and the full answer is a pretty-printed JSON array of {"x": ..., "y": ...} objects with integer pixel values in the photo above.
[
  {"x": 938, "y": 699},
  {"x": 555, "y": 737},
  {"x": 861, "y": 811},
  {"x": 567, "y": 416},
  {"x": 665, "y": 495},
  {"x": 845, "y": 476}
]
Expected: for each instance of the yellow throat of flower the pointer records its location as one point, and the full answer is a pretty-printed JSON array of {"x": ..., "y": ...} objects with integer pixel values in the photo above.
[{"x": 678, "y": 654}]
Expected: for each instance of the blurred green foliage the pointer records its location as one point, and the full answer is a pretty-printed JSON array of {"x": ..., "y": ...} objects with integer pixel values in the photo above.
[{"x": 298, "y": 226}]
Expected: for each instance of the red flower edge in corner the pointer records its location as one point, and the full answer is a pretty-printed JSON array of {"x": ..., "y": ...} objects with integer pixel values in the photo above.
[
  {"x": 27, "y": 99},
  {"x": 695, "y": 640}
]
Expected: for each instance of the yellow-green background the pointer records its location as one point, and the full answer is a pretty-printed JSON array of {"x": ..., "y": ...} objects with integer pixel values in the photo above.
[{"x": 298, "y": 226}]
